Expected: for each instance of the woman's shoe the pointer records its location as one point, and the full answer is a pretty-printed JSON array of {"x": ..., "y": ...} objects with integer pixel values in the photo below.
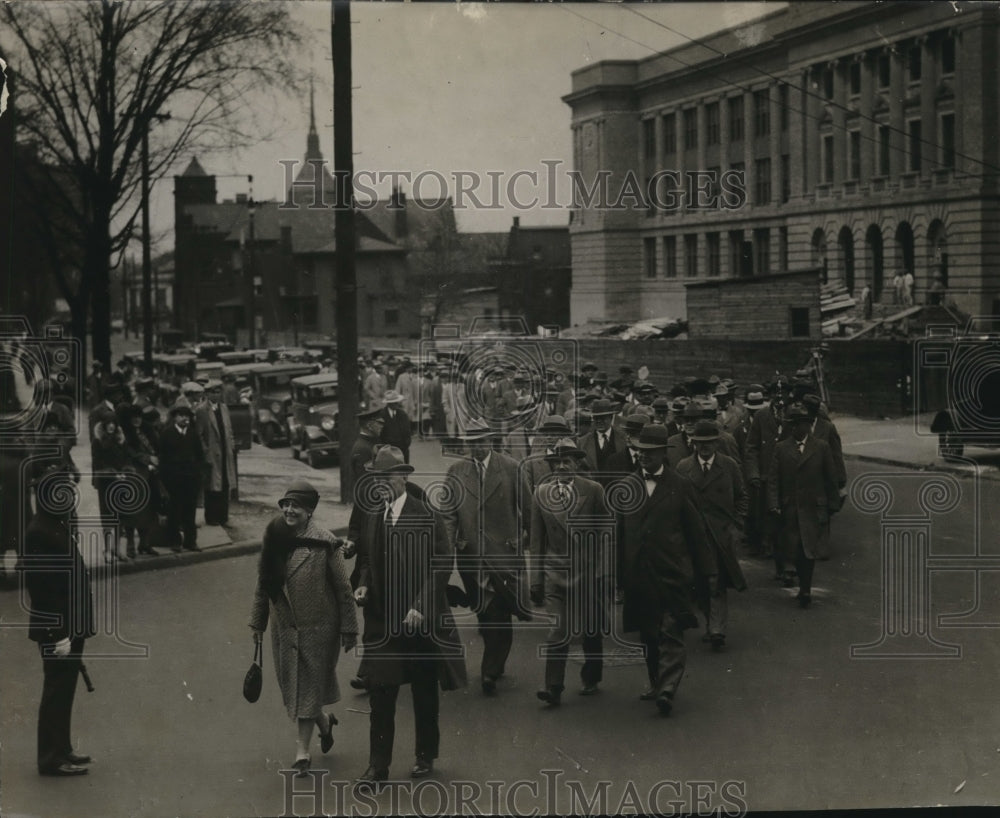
[
  {"x": 302, "y": 765},
  {"x": 326, "y": 739}
]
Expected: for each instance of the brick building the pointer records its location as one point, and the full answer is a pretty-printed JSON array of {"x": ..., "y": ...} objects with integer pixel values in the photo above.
[{"x": 864, "y": 135}]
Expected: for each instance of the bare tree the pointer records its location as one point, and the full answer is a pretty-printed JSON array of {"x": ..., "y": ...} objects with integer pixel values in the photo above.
[{"x": 91, "y": 78}]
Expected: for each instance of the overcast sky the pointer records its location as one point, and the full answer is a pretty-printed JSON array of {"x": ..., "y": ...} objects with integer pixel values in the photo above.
[{"x": 452, "y": 87}]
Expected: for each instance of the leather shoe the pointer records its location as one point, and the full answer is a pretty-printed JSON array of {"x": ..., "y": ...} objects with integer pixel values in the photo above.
[
  {"x": 357, "y": 683},
  {"x": 326, "y": 739},
  {"x": 371, "y": 780},
  {"x": 552, "y": 695},
  {"x": 65, "y": 769},
  {"x": 647, "y": 695},
  {"x": 805, "y": 600},
  {"x": 302, "y": 765},
  {"x": 73, "y": 758},
  {"x": 489, "y": 686},
  {"x": 664, "y": 703},
  {"x": 423, "y": 768},
  {"x": 590, "y": 690}
]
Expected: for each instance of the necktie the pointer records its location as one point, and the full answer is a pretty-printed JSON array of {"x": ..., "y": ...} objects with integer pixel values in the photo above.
[
  {"x": 802, "y": 447},
  {"x": 481, "y": 468},
  {"x": 705, "y": 466},
  {"x": 388, "y": 515}
]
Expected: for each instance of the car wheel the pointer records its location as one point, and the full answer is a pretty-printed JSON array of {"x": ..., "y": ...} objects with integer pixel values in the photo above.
[
  {"x": 267, "y": 435},
  {"x": 949, "y": 446}
]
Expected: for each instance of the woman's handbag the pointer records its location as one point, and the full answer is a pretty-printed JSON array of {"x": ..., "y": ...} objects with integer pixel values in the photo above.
[{"x": 254, "y": 679}]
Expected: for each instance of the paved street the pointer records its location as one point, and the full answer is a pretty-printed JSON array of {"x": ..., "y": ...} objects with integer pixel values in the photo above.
[{"x": 784, "y": 710}]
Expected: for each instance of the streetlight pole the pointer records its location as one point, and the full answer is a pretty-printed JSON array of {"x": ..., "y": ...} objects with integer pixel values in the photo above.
[
  {"x": 252, "y": 289},
  {"x": 147, "y": 309}
]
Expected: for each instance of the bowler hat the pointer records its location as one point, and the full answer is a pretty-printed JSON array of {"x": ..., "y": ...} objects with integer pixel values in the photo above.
[
  {"x": 635, "y": 424},
  {"x": 389, "y": 460},
  {"x": 705, "y": 430},
  {"x": 652, "y": 436},
  {"x": 564, "y": 448},
  {"x": 303, "y": 493}
]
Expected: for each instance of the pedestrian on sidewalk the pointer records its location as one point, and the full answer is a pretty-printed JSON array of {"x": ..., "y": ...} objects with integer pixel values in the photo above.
[
  {"x": 110, "y": 463},
  {"x": 61, "y": 619},
  {"x": 182, "y": 461},
  {"x": 145, "y": 461},
  {"x": 304, "y": 593},
  {"x": 216, "y": 432}
]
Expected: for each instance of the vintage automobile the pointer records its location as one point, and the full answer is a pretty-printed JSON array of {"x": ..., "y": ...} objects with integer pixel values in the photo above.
[
  {"x": 210, "y": 350},
  {"x": 207, "y": 369},
  {"x": 272, "y": 399},
  {"x": 312, "y": 424},
  {"x": 171, "y": 340},
  {"x": 244, "y": 378},
  {"x": 322, "y": 348},
  {"x": 244, "y": 356},
  {"x": 965, "y": 368},
  {"x": 171, "y": 372}
]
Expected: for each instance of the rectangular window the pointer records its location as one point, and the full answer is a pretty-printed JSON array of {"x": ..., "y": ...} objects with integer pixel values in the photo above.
[
  {"x": 798, "y": 319},
  {"x": 391, "y": 318},
  {"x": 714, "y": 253},
  {"x": 883, "y": 150},
  {"x": 914, "y": 139},
  {"x": 855, "y": 72},
  {"x": 762, "y": 181},
  {"x": 691, "y": 129},
  {"x": 670, "y": 133},
  {"x": 828, "y": 159},
  {"x": 782, "y": 248},
  {"x": 735, "y": 253},
  {"x": 712, "y": 123},
  {"x": 948, "y": 140},
  {"x": 948, "y": 55},
  {"x": 649, "y": 138},
  {"x": 783, "y": 105},
  {"x": 913, "y": 63},
  {"x": 761, "y": 112},
  {"x": 854, "y": 154},
  {"x": 649, "y": 248},
  {"x": 786, "y": 178},
  {"x": 762, "y": 251},
  {"x": 691, "y": 254},
  {"x": 828, "y": 83},
  {"x": 884, "y": 70},
  {"x": 670, "y": 256},
  {"x": 735, "y": 119}
]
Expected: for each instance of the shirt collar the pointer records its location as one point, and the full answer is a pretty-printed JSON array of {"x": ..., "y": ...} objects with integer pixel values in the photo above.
[
  {"x": 486, "y": 461},
  {"x": 396, "y": 507},
  {"x": 709, "y": 462}
]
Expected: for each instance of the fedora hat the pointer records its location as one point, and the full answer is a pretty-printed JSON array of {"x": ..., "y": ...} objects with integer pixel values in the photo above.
[
  {"x": 554, "y": 425},
  {"x": 678, "y": 405},
  {"x": 652, "y": 436},
  {"x": 181, "y": 405},
  {"x": 705, "y": 430},
  {"x": 797, "y": 413},
  {"x": 389, "y": 460},
  {"x": 565, "y": 448},
  {"x": 392, "y": 396},
  {"x": 635, "y": 423},
  {"x": 476, "y": 430},
  {"x": 192, "y": 388},
  {"x": 755, "y": 400},
  {"x": 693, "y": 411},
  {"x": 303, "y": 493},
  {"x": 662, "y": 404},
  {"x": 602, "y": 406},
  {"x": 373, "y": 410}
]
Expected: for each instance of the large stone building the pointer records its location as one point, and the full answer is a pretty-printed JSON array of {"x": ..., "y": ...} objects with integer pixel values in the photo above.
[{"x": 865, "y": 136}]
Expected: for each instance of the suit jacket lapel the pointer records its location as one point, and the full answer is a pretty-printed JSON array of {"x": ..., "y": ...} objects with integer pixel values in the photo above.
[{"x": 492, "y": 481}]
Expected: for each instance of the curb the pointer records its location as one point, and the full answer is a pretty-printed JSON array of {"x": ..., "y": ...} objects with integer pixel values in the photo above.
[{"x": 973, "y": 471}]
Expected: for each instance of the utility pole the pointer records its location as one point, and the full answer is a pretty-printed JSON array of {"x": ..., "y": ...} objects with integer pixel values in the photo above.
[
  {"x": 147, "y": 311},
  {"x": 347, "y": 285}
]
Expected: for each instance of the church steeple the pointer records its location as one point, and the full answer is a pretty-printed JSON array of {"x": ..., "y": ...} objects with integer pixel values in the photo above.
[{"x": 312, "y": 140}]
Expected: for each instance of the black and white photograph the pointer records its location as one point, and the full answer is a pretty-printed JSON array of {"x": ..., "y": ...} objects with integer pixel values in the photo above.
[{"x": 498, "y": 408}]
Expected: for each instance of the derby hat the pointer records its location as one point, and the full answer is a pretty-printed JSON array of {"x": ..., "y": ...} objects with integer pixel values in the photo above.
[
  {"x": 652, "y": 436},
  {"x": 704, "y": 431},
  {"x": 303, "y": 493},
  {"x": 389, "y": 460}
]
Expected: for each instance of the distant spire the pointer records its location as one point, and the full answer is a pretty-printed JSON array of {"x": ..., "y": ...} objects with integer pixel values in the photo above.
[{"x": 312, "y": 141}]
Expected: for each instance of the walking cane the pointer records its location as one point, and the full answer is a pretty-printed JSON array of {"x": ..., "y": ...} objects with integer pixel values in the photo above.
[{"x": 86, "y": 678}]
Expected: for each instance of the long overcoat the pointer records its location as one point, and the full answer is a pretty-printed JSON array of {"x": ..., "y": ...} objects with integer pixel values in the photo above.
[
  {"x": 406, "y": 566},
  {"x": 307, "y": 619},
  {"x": 722, "y": 498},
  {"x": 804, "y": 488},
  {"x": 486, "y": 519},
  {"x": 666, "y": 552},
  {"x": 218, "y": 445}
]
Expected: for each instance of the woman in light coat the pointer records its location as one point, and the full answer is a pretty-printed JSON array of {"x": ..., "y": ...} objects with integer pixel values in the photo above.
[{"x": 304, "y": 591}]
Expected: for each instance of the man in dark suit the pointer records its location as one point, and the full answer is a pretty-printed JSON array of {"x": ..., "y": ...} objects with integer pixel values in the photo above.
[
  {"x": 802, "y": 492},
  {"x": 568, "y": 575},
  {"x": 484, "y": 528},
  {"x": 622, "y": 462},
  {"x": 718, "y": 481},
  {"x": 62, "y": 617},
  {"x": 409, "y": 636},
  {"x": 602, "y": 441},
  {"x": 679, "y": 445},
  {"x": 215, "y": 428},
  {"x": 666, "y": 552},
  {"x": 396, "y": 429},
  {"x": 182, "y": 463},
  {"x": 766, "y": 429}
]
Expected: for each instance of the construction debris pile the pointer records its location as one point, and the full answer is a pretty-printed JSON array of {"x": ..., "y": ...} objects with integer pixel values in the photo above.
[
  {"x": 648, "y": 329},
  {"x": 845, "y": 317}
]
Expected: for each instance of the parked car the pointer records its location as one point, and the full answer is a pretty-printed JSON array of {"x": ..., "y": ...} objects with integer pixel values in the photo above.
[
  {"x": 323, "y": 348},
  {"x": 244, "y": 378},
  {"x": 244, "y": 356},
  {"x": 272, "y": 399},
  {"x": 172, "y": 371},
  {"x": 312, "y": 424}
]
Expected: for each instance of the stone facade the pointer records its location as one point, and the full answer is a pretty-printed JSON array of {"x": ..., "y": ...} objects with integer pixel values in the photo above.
[{"x": 864, "y": 133}]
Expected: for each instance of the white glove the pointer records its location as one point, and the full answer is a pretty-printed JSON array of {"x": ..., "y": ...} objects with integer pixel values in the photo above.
[{"x": 61, "y": 648}]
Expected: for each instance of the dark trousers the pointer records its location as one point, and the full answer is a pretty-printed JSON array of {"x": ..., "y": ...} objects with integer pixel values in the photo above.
[
  {"x": 556, "y": 647},
  {"x": 497, "y": 630},
  {"x": 182, "y": 510},
  {"x": 804, "y": 566},
  {"x": 217, "y": 503},
  {"x": 666, "y": 655},
  {"x": 56, "y": 709},
  {"x": 382, "y": 699}
]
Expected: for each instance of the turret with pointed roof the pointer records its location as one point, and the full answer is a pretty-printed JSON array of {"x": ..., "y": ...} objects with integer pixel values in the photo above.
[{"x": 302, "y": 192}]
